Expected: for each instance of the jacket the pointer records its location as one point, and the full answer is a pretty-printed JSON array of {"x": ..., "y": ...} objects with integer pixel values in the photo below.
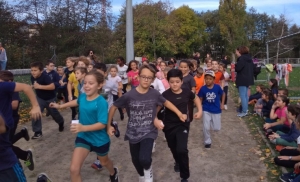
[
  {"x": 292, "y": 135},
  {"x": 244, "y": 69}
]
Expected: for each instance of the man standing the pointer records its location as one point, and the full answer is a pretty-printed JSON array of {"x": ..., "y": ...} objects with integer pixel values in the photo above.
[{"x": 3, "y": 58}]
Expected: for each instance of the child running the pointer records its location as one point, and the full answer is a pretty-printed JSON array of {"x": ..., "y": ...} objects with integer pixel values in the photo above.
[
  {"x": 222, "y": 68},
  {"x": 199, "y": 79},
  {"x": 210, "y": 95},
  {"x": 141, "y": 105},
  {"x": 91, "y": 133},
  {"x": 176, "y": 131},
  {"x": 80, "y": 73},
  {"x": 62, "y": 93},
  {"x": 132, "y": 74}
]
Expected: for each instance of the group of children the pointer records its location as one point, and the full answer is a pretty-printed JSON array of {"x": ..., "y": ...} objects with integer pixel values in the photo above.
[{"x": 95, "y": 93}]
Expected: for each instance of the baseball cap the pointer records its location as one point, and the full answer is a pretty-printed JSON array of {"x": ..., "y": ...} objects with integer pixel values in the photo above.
[{"x": 209, "y": 72}]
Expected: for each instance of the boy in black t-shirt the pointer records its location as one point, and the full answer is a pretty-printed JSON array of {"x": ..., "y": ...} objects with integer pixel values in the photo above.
[
  {"x": 176, "y": 131},
  {"x": 45, "y": 94}
]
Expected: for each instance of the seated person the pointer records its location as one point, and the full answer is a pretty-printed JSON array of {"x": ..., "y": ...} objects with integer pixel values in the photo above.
[
  {"x": 254, "y": 97},
  {"x": 263, "y": 106}
]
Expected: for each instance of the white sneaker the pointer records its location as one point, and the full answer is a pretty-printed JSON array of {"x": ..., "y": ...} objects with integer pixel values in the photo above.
[
  {"x": 148, "y": 175},
  {"x": 225, "y": 107},
  {"x": 142, "y": 179},
  {"x": 153, "y": 148}
]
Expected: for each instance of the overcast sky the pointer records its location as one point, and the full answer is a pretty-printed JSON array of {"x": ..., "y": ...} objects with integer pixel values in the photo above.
[{"x": 291, "y": 8}]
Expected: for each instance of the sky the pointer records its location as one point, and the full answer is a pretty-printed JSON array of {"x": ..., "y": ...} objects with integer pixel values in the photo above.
[{"x": 290, "y": 8}]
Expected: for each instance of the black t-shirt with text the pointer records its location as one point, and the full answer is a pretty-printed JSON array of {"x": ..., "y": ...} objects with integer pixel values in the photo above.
[{"x": 181, "y": 101}]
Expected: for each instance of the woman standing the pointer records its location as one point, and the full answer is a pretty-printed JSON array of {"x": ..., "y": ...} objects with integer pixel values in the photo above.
[{"x": 244, "y": 77}]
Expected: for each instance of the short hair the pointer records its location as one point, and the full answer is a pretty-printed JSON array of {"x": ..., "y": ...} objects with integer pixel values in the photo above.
[
  {"x": 6, "y": 76},
  {"x": 285, "y": 91},
  {"x": 185, "y": 61},
  {"x": 113, "y": 66},
  {"x": 81, "y": 69},
  {"x": 100, "y": 66},
  {"x": 243, "y": 50},
  {"x": 175, "y": 73},
  {"x": 121, "y": 59},
  {"x": 84, "y": 59},
  {"x": 150, "y": 68},
  {"x": 208, "y": 59},
  {"x": 49, "y": 62},
  {"x": 200, "y": 70},
  {"x": 193, "y": 61},
  {"x": 154, "y": 67},
  {"x": 98, "y": 76},
  {"x": 60, "y": 67},
  {"x": 294, "y": 110},
  {"x": 171, "y": 63},
  {"x": 38, "y": 65}
]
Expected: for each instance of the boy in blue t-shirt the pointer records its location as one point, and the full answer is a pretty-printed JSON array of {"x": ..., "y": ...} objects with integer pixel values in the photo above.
[{"x": 210, "y": 95}]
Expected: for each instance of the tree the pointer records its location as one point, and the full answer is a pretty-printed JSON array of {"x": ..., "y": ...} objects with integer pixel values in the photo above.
[{"x": 232, "y": 14}]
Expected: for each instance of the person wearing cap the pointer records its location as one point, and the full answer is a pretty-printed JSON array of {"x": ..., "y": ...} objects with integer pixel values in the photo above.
[
  {"x": 3, "y": 58},
  {"x": 210, "y": 95}
]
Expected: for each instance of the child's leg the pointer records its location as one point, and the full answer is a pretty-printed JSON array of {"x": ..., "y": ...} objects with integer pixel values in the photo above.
[
  {"x": 216, "y": 122},
  {"x": 78, "y": 158},
  {"x": 226, "y": 93},
  {"x": 37, "y": 124},
  {"x": 107, "y": 163},
  {"x": 182, "y": 135},
  {"x": 191, "y": 111},
  {"x": 55, "y": 113},
  {"x": 207, "y": 119},
  {"x": 280, "y": 141},
  {"x": 124, "y": 88},
  {"x": 171, "y": 140},
  {"x": 115, "y": 97}
]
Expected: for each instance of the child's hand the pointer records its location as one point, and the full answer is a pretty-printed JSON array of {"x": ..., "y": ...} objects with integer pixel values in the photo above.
[
  {"x": 283, "y": 157},
  {"x": 267, "y": 126},
  {"x": 61, "y": 82},
  {"x": 35, "y": 113},
  {"x": 110, "y": 130},
  {"x": 36, "y": 85},
  {"x": 70, "y": 97},
  {"x": 222, "y": 106},
  {"x": 274, "y": 106},
  {"x": 76, "y": 128},
  {"x": 54, "y": 105},
  {"x": 158, "y": 124},
  {"x": 198, "y": 114},
  {"x": 183, "y": 117},
  {"x": 297, "y": 165}
]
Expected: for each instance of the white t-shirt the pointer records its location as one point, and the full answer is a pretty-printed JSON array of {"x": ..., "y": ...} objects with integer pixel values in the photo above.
[
  {"x": 115, "y": 83},
  {"x": 226, "y": 76},
  {"x": 158, "y": 85},
  {"x": 122, "y": 73}
]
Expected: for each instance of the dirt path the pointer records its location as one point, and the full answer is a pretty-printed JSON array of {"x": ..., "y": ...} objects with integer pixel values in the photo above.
[{"x": 229, "y": 159}]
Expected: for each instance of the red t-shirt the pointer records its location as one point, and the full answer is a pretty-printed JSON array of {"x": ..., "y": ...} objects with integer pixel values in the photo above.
[{"x": 218, "y": 77}]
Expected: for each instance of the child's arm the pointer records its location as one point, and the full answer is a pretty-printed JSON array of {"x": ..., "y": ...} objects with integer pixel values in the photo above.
[
  {"x": 72, "y": 103},
  {"x": 51, "y": 86},
  {"x": 293, "y": 158},
  {"x": 129, "y": 78},
  {"x": 35, "y": 112},
  {"x": 14, "y": 104},
  {"x": 194, "y": 89},
  {"x": 158, "y": 123},
  {"x": 170, "y": 106},
  {"x": 273, "y": 115},
  {"x": 69, "y": 88},
  {"x": 223, "y": 101},
  {"x": 110, "y": 129},
  {"x": 120, "y": 86},
  {"x": 199, "y": 107},
  {"x": 2, "y": 125},
  {"x": 76, "y": 128},
  {"x": 280, "y": 122}
]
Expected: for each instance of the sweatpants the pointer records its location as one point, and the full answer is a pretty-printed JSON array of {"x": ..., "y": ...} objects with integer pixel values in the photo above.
[
  {"x": 280, "y": 141},
  {"x": 177, "y": 139},
  {"x": 141, "y": 155},
  {"x": 37, "y": 124},
  {"x": 287, "y": 163},
  {"x": 13, "y": 174},
  {"x": 210, "y": 121}
]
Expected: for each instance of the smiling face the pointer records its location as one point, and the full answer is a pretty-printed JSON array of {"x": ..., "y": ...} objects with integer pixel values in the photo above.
[
  {"x": 133, "y": 66},
  {"x": 215, "y": 65},
  {"x": 91, "y": 85},
  {"x": 162, "y": 66},
  {"x": 81, "y": 64},
  {"x": 184, "y": 68},
  {"x": 175, "y": 84}
]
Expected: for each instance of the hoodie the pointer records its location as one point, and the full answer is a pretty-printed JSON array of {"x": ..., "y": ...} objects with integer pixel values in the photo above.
[{"x": 244, "y": 70}]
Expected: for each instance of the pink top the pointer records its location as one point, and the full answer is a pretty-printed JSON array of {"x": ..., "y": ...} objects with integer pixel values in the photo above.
[
  {"x": 281, "y": 112},
  {"x": 165, "y": 83},
  {"x": 134, "y": 77},
  {"x": 160, "y": 75}
]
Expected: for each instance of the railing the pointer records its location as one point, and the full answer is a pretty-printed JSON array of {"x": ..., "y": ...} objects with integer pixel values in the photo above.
[{"x": 284, "y": 60}]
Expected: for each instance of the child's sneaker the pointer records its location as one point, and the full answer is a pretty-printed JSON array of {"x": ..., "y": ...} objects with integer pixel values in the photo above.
[
  {"x": 207, "y": 146},
  {"x": 115, "y": 177},
  {"x": 29, "y": 162},
  {"x": 148, "y": 175},
  {"x": 225, "y": 107},
  {"x": 24, "y": 131},
  {"x": 287, "y": 177},
  {"x": 37, "y": 135},
  {"x": 42, "y": 177},
  {"x": 96, "y": 165},
  {"x": 184, "y": 180}
]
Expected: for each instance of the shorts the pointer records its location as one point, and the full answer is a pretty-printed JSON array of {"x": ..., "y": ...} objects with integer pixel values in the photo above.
[
  {"x": 13, "y": 174},
  {"x": 100, "y": 151}
]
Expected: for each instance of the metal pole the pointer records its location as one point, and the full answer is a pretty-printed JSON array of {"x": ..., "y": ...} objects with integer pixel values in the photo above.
[
  {"x": 129, "y": 32},
  {"x": 267, "y": 53}
]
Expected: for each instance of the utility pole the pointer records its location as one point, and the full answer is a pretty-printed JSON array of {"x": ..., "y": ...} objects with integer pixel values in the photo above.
[{"x": 129, "y": 32}]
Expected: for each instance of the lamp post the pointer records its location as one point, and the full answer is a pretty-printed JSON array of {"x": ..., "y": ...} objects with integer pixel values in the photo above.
[{"x": 129, "y": 32}]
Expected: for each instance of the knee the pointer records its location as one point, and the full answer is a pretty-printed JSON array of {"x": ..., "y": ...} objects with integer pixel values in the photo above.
[
  {"x": 146, "y": 163},
  {"x": 74, "y": 170}
]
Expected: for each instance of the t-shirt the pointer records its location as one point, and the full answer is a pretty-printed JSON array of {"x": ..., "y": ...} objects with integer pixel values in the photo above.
[
  {"x": 43, "y": 79},
  {"x": 141, "y": 111},
  {"x": 122, "y": 73},
  {"x": 211, "y": 98},
  {"x": 226, "y": 76},
  {"x": 6, "y": 94},
  {"x": 15, "y": 112},
  {"x": 72, "y": 79},
  {"x": 281, "y": 113},
  {"x": 218, "y": 77},
  {"x": 274, "y": 91},
  {"x": 54, "y": 77},
  {"x": 67, "y": 73},
  {"x": 92, "y": 112},
  {"x": 133, "y": 75},
  {"x": 188, "y": 82},
  {"x": 199, "y": 82},
  {"x": 181, "y": 101},
  {"x": 115, "y": 81},
  {"x": 266, "y": 109},
  {"x": 65, "y": 81},
  {"x": 165, "y": 83}
]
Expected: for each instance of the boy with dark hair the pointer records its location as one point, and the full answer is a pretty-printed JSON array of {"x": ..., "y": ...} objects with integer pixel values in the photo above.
[
  {"x": 210, "y": 95},
  {"x": 283, "y": 91},
  {"x": 177, "y": 131},
  {"x": 45, "y": 94},
  {"x": 219, "y": 77},
  {"x": 52, "y": 73}
]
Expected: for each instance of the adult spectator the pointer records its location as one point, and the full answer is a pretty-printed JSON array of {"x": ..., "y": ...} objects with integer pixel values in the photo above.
[
  {"x": 92, "y": 57},
  {"x": 3, "y": 58},
  {"x": 225, "y": 61},
  {"x": 244, "y": 77}
]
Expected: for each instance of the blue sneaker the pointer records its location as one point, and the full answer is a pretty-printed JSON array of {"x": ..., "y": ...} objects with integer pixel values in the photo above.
[
  {"x": 96, "y": 165},
  {"x": 288, "y": 177},
  {"x": 242, "y": 114}
]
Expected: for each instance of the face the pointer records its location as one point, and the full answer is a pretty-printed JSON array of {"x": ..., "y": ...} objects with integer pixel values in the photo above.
[
  {"x": 90, "y": 67},
  {"x": 81, "y": 64},
  {"x": 119, "y": 62},
  {"x": 50, "y": 66},
  {"x": 60, "y": 71},
  {"x": 237, "y": 53},
  {"x": 184, "y": 68},
  {"x": 91, "y": 53},
  {"x": 279, "y": 102},
  {"x": 133, "y": 66},
  {"x": 158, "y": 61},
  {"x": 146, "y": 78},
  {"x": 79, "y": 75},
  {"x": 113, "y": 72},
  {"x": 280, "y": 92},
  {"x": 263, "y": 96},
  {"x": 35, "y": 72},
  {"x": 91, "y": 86},
  {"x": 171, "y": 66},
  {"x": 175, "y": 84},
  {"x": 270, "y": 83},
  {"x": 258, "y": 89},
  {"x": 162, "y": 66},
  {"x": 208, "y": 64},
  {"x": 221, "y": 68},
  {"x": 209, "y": 80},
  {"x": 215, "y": 65},
  {"x": 69, "y": 64}
]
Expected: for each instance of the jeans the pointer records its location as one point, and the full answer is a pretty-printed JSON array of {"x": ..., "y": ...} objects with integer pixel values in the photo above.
[
  {"x": 3, "y": 65},
  {"x": 287, "y": 163},
  {"x": 141, "y": 155},
  {"x": 243, "y": 92},
  {"x": 37, "y": 125}
]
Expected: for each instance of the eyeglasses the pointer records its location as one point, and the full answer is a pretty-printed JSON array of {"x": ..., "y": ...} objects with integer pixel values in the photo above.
[{"x": 144, "y": 78}]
